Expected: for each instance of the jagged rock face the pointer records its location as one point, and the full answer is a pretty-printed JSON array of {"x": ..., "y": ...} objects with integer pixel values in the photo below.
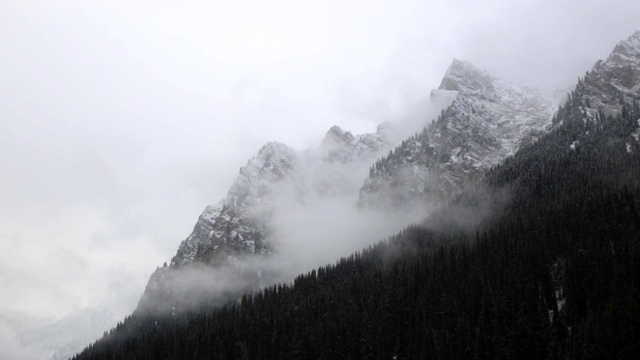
[
  {"x": 488, "y": 121},
  {"x": 226, "y": 232},
  {"x": 622, "y": 69},
  {"x": 237, "y": 225},
  {"x": 343, "y": 147},
  {"x": 463, "y": 76},
  {"x": 258, "y": 180},
  {"x": 220, "y": 233},
  {"x": 603, "y": 92},
  {"x": 614, "y": 81}
]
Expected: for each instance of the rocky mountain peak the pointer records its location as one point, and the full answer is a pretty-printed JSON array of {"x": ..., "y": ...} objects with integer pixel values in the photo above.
[
  {"x": 256, "y": 179},
  {"x": 342, "y": 146},
  {"x": 628, "y": 48},
  {"x": 609, "y": 85},
  {"x": 228, "y": 228},
  {"x": 462, "y": 76},
  {"x": 337, "y": 137},
  {"x": 488, "y": 120}
]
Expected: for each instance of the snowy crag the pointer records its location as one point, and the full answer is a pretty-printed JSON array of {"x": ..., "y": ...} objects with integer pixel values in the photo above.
[
  {"x": 603, "y": 92},
  {"x": 488, "y": 120},
  {"x": 614, "y": 81},
  {"x": 236, "y": 224},
  {"x": 609, "y": 85}
]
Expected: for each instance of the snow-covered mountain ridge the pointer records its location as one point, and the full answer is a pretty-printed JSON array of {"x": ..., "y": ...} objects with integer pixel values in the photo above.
[
  {"x": 603, "y": 93},
  {"x": 609, "y": 84},
  {"x": 239, "y": 223},
  {"x": 235, "y": 224},
  {"x": 488, "y": 121},
  {"x": 342, "y": 146}
]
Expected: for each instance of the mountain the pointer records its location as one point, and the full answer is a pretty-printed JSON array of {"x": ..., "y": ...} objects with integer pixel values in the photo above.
[
  {"x": 554, "y": 273},
  {"x": 240, "y": 226},
  {"x": 223, "y": 256},
  {"x": 488, "y": 120},
  {"x": 615, "y": 81},
  {"x": 236, "y": 224},
  {"x": 342, "y": 146},
  {"x": 239, "y": 223},
  {"x": 607, "y": 87}
]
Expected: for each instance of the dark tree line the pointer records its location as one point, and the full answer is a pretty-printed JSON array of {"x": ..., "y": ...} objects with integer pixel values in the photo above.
[{"x": 555, "y": 274}]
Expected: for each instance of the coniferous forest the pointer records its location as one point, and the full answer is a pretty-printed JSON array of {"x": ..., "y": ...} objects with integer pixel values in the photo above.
[{"x": 554, "y": 273}]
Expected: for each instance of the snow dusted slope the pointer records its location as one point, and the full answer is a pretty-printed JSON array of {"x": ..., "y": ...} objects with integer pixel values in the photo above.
[
  {"x": 609, "y": 84},
  {"x": 226, "y": 232},
  {"x": 604, "y": 90},
  {"x": 236, "y": 225},
  {"x": 488, "y": 121},
  {"x": 619, "y": 74}
]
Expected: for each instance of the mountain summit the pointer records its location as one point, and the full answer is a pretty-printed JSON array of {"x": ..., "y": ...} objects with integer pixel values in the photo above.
[
  {"x": 343, "y": 147},
  {"x": 488, "y": 120},
  {"x": 628, "y": 49},
  {"x": 463, "y": 76},
  {"x": 229, "y": 227},
  {"x": 610, "y": 83}
]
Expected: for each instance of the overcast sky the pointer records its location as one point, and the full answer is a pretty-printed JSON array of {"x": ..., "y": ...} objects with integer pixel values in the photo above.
[{"x": 121, "y": 120}]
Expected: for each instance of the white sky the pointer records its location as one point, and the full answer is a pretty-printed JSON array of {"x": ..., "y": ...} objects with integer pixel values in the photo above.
[{"x": 121, "y": 120}]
